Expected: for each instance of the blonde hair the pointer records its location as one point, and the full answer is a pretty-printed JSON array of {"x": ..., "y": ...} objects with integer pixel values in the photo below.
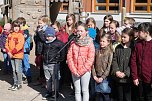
[
  {"x": 130, "y": 20},
  {"x": 45, "y": 19}
]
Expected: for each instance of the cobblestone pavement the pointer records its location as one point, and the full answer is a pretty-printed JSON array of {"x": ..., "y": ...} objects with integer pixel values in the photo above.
[{"x": 28, "y": 92}]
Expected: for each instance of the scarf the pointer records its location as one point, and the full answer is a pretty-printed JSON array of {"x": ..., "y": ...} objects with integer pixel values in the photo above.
[{"x": 83, "y": 42}]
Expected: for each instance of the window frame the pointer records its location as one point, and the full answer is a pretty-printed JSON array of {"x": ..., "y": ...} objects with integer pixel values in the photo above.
[
  {"x": 135, "y": 4},
  {"x": 107, "y": 5}
]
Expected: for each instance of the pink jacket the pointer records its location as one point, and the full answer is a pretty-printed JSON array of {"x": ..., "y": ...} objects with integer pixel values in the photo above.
[{"x": 80, "y": 58}]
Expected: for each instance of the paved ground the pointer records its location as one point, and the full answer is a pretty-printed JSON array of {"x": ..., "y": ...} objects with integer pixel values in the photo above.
[{"x": 28, "y": 92}]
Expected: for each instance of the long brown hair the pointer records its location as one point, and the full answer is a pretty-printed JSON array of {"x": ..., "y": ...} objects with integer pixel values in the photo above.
[{"x": 73, "y": 25}]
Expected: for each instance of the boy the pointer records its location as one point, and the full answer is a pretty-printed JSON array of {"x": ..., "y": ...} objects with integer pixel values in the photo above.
[
  {"x": 141, "y": 60},
  {"x": 51, "y": 60},
  {"x": 25, "y": 62}
]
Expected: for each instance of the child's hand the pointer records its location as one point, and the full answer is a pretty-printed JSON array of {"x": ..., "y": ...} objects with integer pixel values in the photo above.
[
  {"x": 10, "y": 55},
  {"x": 122, "y": 75},
  {"x": 95, "y": 78},
  {"x": 118, "y": 74},
  {"x": 100, "y": 80},
  {"x": 136, "y": 82},
  {"x": 4, "y": 50}
]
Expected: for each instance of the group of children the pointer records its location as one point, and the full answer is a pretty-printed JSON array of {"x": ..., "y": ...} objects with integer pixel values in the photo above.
[{"x": 117, "y": 56}]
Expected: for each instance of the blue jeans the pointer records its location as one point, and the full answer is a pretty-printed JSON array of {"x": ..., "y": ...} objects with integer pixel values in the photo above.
[
  {"x": 26, "y": 65},
  {"x": 51, "y": 72},
  {"x": 7, "y": 62},
  {"x": 17, "y": 71},
  {"x": 81, "y": 83}
]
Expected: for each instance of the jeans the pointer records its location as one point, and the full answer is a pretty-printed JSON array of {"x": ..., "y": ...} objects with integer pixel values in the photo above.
[
  {"x": 7, "y": 62},
  {"x": 26, "y": 65},
  {"x": 17, "y": 71},
  {"x": 81, "y": 83},
  {"x": 51, "y": 72},
  {"x": 102, "y": 97}
]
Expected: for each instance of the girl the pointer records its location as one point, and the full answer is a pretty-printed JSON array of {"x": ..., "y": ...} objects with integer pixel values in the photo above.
[
  {"x": 80, "y": 58},
  {"x": 103, "y": 60},
  {"x": 60, "y": 34},
  {"x": 3, "y": 37},
  {"x": 15, "y": 49},
  {"x": 121, "y": 66},
  {"x": 107, "y": 20},
  {"x": 70, "y": 24},
  {"x": 116, "y": 38},
  {"x": 91, "y": 23},
  {"x": 39, "y": 38}
]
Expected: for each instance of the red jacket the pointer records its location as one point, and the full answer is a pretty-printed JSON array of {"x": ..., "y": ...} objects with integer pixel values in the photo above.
[
  {"x": 62, "y": 36},
  {"x": 141, "y": 61}
]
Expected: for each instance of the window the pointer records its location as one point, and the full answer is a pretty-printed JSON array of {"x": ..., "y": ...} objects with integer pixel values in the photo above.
[
  {"x": 142, "y": 6},
  {"x": 64, "y": 7},
  {"x": 106, "y": 6}
]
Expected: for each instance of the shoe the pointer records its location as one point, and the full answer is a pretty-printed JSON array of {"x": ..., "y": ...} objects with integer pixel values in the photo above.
[
  {"x": 19, "y": 87},
  {"x": 46, "y": 96},
  {"x": 57, "y": 95},
  {"x": 15, "y": 88},
  {"x": 25, "y": 81},
  {"x": 12, "y": 87}
]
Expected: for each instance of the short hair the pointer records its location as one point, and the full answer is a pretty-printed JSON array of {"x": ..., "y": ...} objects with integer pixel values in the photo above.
[
  {"x": 21, "y": 20},
  {"x": 45, "y": 19}
]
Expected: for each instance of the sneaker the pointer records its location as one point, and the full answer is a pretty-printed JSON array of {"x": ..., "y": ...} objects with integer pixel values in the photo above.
[
  {"x": 25, "y": 81},
  {"x": 12, "y": 87},
  {"x": 46, "y": 96},
  {"x": 15, "y": 88},
  {"x": 19, "y": 87}
]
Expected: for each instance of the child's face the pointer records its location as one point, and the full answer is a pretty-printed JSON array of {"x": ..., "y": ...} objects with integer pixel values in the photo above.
[
  {"x": 104, "y": 42},
  {"x": 112, "y": 28},
  {"x": 106, "y": 22},
  {"x": 136, "y": 34},
  {"x": 55, "y": 28},
  {"x": 16, "y": 29},
  {"x": 126, "y": 24},
  {"x": 125, "y": 38},
  {"x": 41, "y": 23},
  {"x": 69, "y": 21},
  {"x": 49, "y": 38},
  {"x": 142, "y": 35},
  {"x": 81, "y": 31},
  {"x": 91, "y": 25}
]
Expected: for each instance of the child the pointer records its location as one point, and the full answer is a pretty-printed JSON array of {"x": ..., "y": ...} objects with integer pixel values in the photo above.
[
  {"x": 80, "y": 59},
  {"x": 103, "y": 60},
  {"x": 39, "y": 38},
  {"x": 121, "y": 66},
  {"x": 51, "y": 63},
  {"x": 15, "y": 49},
  {"x": 141, "y": 60},
  {"x": 107, "y": 20},
  {"x": 60, "y": 34},
  {"x": 116, "y": 38},
  {"x": 91, "y": 23},
  {"x": 3, "y": 37},
  {"x": 70, "y": 24},
  {"x": 25, "y": 63},
  {"x": 127, "y": 23}
]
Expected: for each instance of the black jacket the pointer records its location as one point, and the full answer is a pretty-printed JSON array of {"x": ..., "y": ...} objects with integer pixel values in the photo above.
[
  {"x": 121, "y": 60},
  {"x": 50, "y": 50},
  {"x": 39, "y": 40}
]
